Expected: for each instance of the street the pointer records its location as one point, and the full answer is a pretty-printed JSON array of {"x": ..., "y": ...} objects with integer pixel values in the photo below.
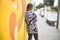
[{"x": 46, "y": 32}]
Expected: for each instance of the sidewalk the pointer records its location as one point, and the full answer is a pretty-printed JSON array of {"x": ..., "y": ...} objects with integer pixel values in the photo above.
[{"x": 46, "y": 32}]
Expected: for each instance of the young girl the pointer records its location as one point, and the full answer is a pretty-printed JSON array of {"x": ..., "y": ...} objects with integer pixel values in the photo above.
[{"x": 31, "y": 19}]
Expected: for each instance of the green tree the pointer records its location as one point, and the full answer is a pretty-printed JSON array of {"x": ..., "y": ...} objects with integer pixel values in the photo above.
[
  {"x": 40, "y": 6},
  {"x": 49, "y": 2},
  {"x": 55, "y": 8}
]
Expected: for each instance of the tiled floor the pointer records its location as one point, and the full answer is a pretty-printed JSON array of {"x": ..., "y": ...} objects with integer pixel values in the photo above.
[{"x": 46, "y": 32}]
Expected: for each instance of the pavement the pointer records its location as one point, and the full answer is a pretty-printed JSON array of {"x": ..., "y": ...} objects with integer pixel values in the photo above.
[{"x": 46, "y": 32}]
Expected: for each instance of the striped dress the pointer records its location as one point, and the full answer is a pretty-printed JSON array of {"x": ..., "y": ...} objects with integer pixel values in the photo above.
[{"x": 31, "y": 23}]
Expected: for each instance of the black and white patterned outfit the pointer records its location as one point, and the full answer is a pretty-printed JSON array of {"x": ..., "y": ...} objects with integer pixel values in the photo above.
[{"x": 31, "y": 25}]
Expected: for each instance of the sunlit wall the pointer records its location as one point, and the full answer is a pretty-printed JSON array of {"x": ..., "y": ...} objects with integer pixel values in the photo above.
[{"x": 12, "y": 25}]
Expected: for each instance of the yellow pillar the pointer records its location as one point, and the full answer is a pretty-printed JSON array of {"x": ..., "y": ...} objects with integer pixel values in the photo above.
[
  {"x": 24, "y": 5},
  {"x": 11, "y": 16}
]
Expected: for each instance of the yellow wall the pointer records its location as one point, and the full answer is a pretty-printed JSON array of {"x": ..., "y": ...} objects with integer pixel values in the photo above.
[
  {"x": 24, "y": 4},
  {"x": 7, "y": 11}
]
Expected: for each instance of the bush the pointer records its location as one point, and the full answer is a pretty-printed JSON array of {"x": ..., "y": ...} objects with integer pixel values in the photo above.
[{"x": 40, "y": 6}]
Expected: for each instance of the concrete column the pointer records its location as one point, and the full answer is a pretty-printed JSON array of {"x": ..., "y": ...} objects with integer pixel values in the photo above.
[{"x": 58, "y": 15}]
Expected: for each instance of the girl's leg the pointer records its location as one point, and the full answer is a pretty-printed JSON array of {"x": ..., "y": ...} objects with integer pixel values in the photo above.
[
  {"x": 36, "y": 36},
  {"x": 29, "y": 36}
]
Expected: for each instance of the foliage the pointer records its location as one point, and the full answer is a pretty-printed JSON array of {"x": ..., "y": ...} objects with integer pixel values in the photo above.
[
  {"x": 49, "y": 2},
  {"x": 55, "y": 8},
  {"x": 40, "y": 6}
]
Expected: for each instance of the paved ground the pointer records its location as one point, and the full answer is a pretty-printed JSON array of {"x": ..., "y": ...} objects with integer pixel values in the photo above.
[{"x": 46, "y": 32}]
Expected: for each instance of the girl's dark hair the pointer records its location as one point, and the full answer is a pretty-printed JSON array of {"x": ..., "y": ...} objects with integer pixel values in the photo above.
[{"x": 29, "y": 6}]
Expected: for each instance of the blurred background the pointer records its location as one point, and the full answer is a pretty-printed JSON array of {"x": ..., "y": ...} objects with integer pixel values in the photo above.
[
  {"x": 12, "y": 24},
  {"x": 48, "y": 12}
]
